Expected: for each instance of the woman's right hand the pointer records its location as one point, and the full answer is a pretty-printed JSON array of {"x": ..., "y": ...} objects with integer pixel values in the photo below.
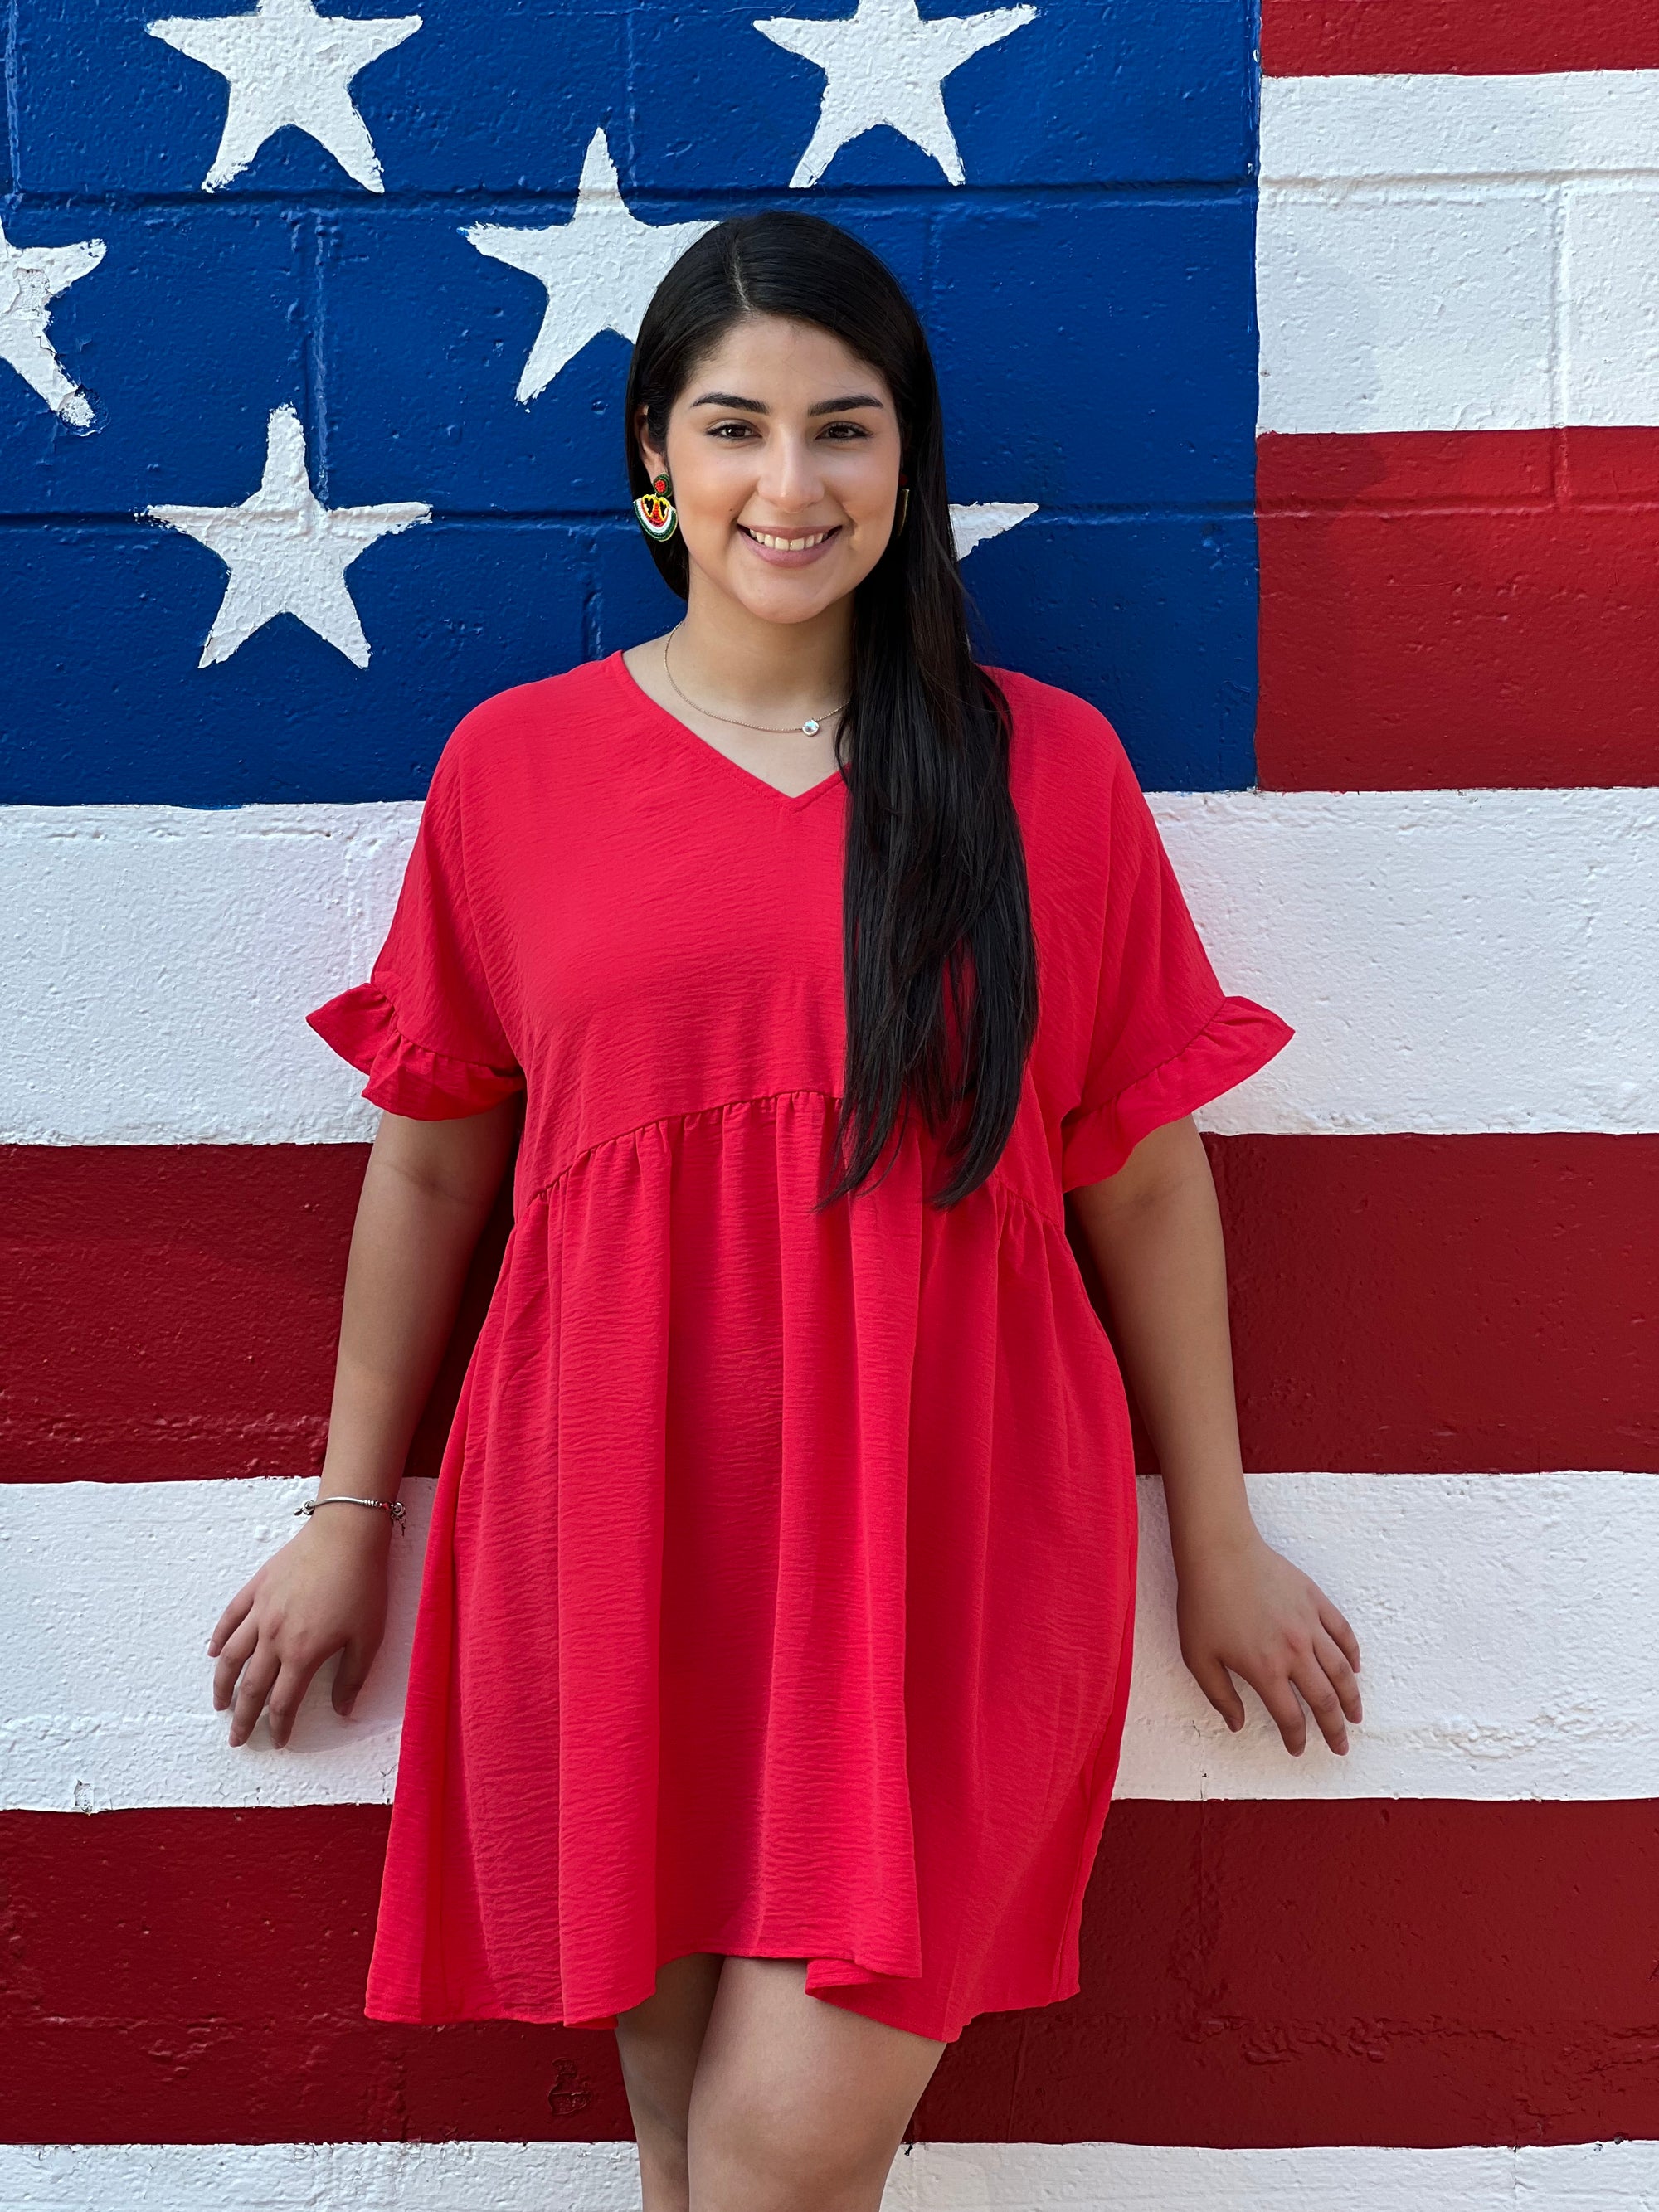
[{"x": 324, "y": 1592}]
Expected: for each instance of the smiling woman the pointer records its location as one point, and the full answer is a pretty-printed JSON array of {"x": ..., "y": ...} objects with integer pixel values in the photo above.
[
  {"x": 775, "y": 1641},
  {"x": 784, "y": 503},
  {"x": 782, "y": 386},
  {"x": 792, "y": 482}
]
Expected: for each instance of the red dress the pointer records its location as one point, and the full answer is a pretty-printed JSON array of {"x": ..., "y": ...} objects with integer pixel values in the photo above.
[{"x": 780, "y": 1589}]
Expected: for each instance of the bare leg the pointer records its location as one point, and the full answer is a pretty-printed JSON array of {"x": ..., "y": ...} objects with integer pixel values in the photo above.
[
  {"x": 658, "y": 2043},
  {"x": 798, "y": 2105}
]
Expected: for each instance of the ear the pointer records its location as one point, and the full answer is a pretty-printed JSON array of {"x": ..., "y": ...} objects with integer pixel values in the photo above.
[{"x": 656, "y": 462}]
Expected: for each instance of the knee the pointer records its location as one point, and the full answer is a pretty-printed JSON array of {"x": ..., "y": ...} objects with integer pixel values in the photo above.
[
  {"x": 767, "y": 2158},
  {"x": 658, "y": 2113},
  {"x": 665, "y": 2168}
]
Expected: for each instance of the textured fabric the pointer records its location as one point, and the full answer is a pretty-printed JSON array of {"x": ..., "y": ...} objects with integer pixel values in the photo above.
[{"x": 780, "y": 1593}]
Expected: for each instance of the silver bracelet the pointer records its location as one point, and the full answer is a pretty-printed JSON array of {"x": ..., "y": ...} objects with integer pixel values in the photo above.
[{"x": 380, "y": 1505}]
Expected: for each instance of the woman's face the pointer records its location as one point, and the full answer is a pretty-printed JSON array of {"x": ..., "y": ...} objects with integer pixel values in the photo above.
[{"x": 783, "y": 451}]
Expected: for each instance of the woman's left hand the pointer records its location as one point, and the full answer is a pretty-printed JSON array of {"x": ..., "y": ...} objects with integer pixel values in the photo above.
[{"x": 1244, "y": 1606}]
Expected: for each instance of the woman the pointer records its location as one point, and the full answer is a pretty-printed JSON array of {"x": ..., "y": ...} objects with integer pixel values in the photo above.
[{"x": 774, "y": 1637}]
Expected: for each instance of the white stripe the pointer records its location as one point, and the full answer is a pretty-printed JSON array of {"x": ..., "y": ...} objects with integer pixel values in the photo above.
[
  {"x": 1505, "y": 1625},
  {"x": 1317, "y": 129},
  {"x": 1618, "y": 2176},
  {"x": 1459, "y": 253},
  {"x": 1451, "y": 961},
  {"x": 159, "y": 962}
]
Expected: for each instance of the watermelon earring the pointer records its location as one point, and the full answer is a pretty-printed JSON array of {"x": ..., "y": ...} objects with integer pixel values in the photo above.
[{"x": 655, "y": 511}]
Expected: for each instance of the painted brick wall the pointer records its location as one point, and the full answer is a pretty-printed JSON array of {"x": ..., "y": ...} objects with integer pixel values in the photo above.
[{"x": 1373, "y": 597}]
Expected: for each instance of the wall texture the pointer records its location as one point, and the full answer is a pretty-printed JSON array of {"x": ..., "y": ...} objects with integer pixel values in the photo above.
[{"x": 1309, "y": 423}]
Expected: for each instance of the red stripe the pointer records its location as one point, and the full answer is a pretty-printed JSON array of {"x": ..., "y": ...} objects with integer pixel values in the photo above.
[
  {"x": 1471, "y": 38},
  {"x": 1407, "y": 1971},
  {"x": 1444, "y": 1304},
  {"x": 1418, "y": 1304},
  {"x": 172, "y": 1310},
  {"x": 1446, "y": 609}
]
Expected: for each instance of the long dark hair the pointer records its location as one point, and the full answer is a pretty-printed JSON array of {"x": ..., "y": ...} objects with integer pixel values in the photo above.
[{"x": 938, "y": 955}]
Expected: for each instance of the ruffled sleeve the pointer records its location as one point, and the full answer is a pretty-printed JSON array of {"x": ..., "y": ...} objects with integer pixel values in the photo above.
[
  {"x": 425, "y": 1028},
  {"x": 1165, "y": 1038}
]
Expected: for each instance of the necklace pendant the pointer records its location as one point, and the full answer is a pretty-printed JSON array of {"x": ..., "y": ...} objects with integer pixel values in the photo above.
[{"x": 809, "y": 729}]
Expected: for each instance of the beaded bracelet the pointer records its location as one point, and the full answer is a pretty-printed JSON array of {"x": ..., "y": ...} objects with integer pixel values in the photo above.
[{"x": 380, "y": 1506}]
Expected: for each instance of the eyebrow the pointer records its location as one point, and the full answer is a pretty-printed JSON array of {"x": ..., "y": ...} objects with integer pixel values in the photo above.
[{"x": 759, "y": 407}]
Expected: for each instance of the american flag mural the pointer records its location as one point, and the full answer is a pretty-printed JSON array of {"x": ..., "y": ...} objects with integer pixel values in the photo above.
[{"x": 1303, "y": 379}]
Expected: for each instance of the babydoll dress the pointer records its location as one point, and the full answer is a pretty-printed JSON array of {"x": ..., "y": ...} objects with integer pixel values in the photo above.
[{"x": 780, "y": 1591}]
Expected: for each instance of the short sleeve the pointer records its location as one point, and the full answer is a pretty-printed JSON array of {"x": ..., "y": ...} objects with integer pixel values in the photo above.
[
  {"x": 424, "y": 1028},
  {"x": 1165, "y": 1038}
]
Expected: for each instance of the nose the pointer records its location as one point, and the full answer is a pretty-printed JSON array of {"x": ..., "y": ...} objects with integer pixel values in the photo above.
[{"x": 790, "y": 479}]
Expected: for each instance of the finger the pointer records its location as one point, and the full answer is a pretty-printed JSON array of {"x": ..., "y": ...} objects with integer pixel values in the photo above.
[
  {"x": 232, "y": 1660},
  {"x": 1334, "y": 1662},
  {"x": 231, "y": 1618},
  {"x": 1218, "y": 1686},
  {"x": 350, "y": 1675},
  {"x": 286, "y": 1693},
  {"x": 260, "y": 1672},
  {"x": 1285, "y": 1710},
  {"x": 1319, "y": 1693},
  {"x": 1337, "y": 1626}
]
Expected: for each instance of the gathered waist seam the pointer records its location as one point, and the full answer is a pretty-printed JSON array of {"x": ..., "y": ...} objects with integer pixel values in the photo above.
[
  {"x": 686, "y": 1114},
  {"x": 545, "y": 1190}
]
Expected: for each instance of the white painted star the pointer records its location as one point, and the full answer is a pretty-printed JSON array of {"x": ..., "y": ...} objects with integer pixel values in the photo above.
[
  {"x": 31, "y": 278},
  {"x": 884, "y": 64},
  {"x": 600, "y": 268},
  {"x": 287, "y": 65},
  {"x": 972, "y": 526},
  {"x": 286, "y": 553}
]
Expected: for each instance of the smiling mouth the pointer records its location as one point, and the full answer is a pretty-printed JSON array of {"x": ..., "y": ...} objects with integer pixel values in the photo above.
[{"x": 777, "y": 544}]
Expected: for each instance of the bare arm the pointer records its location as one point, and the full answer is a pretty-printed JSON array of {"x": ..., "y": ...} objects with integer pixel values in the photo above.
[
  {"x": 1154, "y": 1232},
  {"x": 426, "y": 1196}
]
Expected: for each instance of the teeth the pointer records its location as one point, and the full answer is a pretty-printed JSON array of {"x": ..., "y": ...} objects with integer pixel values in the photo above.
[{"x": 788, "y": 544}]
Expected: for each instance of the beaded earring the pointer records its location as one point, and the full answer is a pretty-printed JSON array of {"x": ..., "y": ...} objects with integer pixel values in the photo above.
[{"x": 655, "y": 511}]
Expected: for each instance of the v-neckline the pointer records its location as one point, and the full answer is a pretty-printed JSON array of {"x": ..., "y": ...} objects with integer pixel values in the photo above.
[{"x": 792, "y": 801}]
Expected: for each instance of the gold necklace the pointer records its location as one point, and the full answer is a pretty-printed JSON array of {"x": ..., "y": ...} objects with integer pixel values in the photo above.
[{"x": 809, "y": 728}]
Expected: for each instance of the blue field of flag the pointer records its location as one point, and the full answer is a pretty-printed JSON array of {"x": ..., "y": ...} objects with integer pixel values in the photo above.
[{"x": 356, "y": 303}]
